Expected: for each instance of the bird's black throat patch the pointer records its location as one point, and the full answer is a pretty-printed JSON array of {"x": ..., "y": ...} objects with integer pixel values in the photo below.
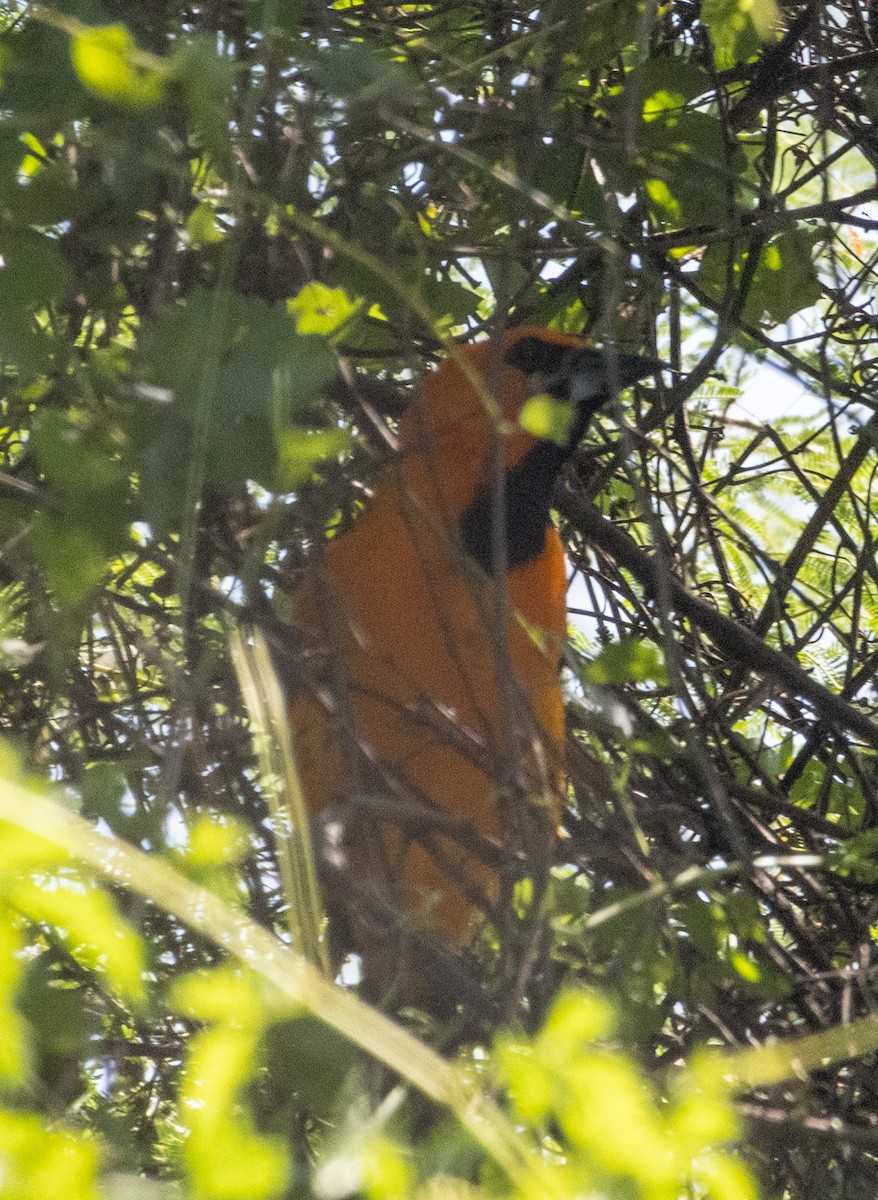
[
  {"x": 527, "y": 503},
  {"x": 575, "y": 374}
]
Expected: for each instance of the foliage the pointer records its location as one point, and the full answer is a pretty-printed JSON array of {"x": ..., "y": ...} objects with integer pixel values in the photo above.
[{"x": 231, "y": 234}]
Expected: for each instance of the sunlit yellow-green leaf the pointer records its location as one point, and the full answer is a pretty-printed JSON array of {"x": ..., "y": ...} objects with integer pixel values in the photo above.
[
  {"x": 576, "y": 1018},
  {"x": 221, "y": 994},
  {"x": 547, "y": 418},
  {"x": 92, "y": 927},
  {"x": 213, "y": 842},
  {"x": 300, "y": 453},
  {"x": 202, "y": 227},
  {"x": 322, "y": 310},
  {"x": 103, "y": 58},
  {"x": 702, "y": 1119},
  {"x": 661, "y": 195},
  {"x": 21, "y": 850},
  {"x": 608, "y": 1110},
  {"x": 31, "y": 163},
  {"x": 14, "y": 1056},
  {"x": 746, "y": 967},
  {"x": 738, "y": 27},
  {"x": 724, "y": 1178},
  {"x": 529, "y": 1081},
  {"x": 225, "y": 1157},
  {"x": 41, "y": 1163},
  {"x": 661, "y": 101},
  {"x": 387, "y": 1172}
]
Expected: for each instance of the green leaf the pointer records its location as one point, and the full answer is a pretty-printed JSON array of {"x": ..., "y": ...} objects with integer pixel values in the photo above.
[
  {"x": 609, "y": 27},
  {"x": 205, "y": 79},
  {"x": 322, "y": 310},
  {"x": 202, "y": 227},
  {"x": 273, "y": 17},
  {"x": 739, "y": 27},
  {"x": 62, "y": 1024},
  {"x": 857, "y": 858},
  {"x": 357, "y": 72},
  {"x": 447, "y": 299},
  {"x": 265, "y": 374},
  {"x": 73, "y": 560},
  {"x": 627, "y": 661},
  {"x": 14, "y": 1047},
  {"x": 226, "y": 1158},
  {"x": 220, "y": 995},
  {"x": 212, "y": 849},
  {"x": 312, "y": 1061},
  {"x": 784, "y": 282},
  {"x": 92, "y": 928},
  {"x": 40, "y": 1162},
  {"x": 685, "y": 162},
  {"x": 33, "y": 275},
  {"x": 72, "y": 455},
  {"x": 38, "y": 78},
  {"x": 745, "y": 967},
  {"x": 548, "y": 418},
  {"x": 104, "y": 58},
  {"x": 301, "y": 452},
  {"x": 667, "y": 83}
]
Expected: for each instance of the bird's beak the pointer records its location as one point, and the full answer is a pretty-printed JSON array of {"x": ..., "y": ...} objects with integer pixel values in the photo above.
[{"x": 598, "y": 374}]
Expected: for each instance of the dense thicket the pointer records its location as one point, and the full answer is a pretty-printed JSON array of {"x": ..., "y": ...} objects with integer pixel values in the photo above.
[{"x": 231, "y": 234}]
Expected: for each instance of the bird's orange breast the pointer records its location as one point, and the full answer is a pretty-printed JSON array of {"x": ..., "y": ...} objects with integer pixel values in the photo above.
[{"x": 432, "y": 706}]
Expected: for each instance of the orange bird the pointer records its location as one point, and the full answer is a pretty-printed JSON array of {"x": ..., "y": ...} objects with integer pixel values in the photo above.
[{"x": 433, "y": 632}]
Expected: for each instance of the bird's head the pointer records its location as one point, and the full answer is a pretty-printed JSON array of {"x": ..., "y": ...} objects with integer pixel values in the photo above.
[{"x": 529, "y": 385}]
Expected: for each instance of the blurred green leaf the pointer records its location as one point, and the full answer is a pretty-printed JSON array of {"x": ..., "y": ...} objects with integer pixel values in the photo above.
[
  {"x": 40, "y": 1163},
  {"x": 310, "y": 1063},
  {"x": 205, "y": 80},
  {"x": 276, "y": 16},
  {"x": 72, "y": 455},
  {"x": 91, "y": 927},
  {"x": 105, "y": 61},
  {"x": 212, "y": 849},
  {"x": 267, "y": 374},
  {"x": 38, "y": 78},
  {"x": 627, "y": 661},
  {"x": 608, "y": 26},
  {"x": 63, "y": 1026},
  {"x": 360, "y": 74},
  {"x": 738, "y": 28},
  {"x": 857, "y": 857},
  {"x": 249, "y": 1166},
  {"x": 73, "y": 560},
  {"x": 623, "y": 1139},
  {"x": 221, "y": 995},
  {"x": 547, "y": 418},
  {"x": 33, "y": 275},
  {"x": 784, "y": 282}
]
